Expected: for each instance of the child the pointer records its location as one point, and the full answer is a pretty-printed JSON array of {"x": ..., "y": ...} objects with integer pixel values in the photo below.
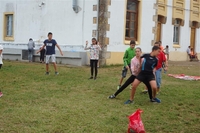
[
  {"x": 1, "y": 63},
  {"x": 128, "y": 55},
  {"x": 31, "y": 46},
  {"x": 50, "y": 52},
  {"x": 146, "y": 74},
  {"x": 94, "y": 56},
  {"x": 167, "y": 51},
  {"x": 42, "y": 53},
  {"x": 135, "y": 68}
]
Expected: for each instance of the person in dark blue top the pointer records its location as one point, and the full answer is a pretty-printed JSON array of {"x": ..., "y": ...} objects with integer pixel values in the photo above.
[
  {"x": 148, "y": 64},
  {"x": 50, "y": 52}
]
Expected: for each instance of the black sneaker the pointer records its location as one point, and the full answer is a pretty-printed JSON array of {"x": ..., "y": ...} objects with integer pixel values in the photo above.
[
  {"x": 91, "y": 78},
  {"x": 111, "y": 96},
  {"x": 95, "y": 78},
  {"x": 56, "y": 73},
  {"x": 47, "y": 73}
]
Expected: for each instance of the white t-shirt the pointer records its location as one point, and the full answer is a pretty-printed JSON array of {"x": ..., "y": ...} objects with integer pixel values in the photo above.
[{"x": 1, "y": 55}]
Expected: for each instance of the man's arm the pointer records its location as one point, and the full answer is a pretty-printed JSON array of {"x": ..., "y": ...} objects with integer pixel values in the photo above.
[
  {"x": 59, "y": 49},
  {"x": 40, "y": 49}
]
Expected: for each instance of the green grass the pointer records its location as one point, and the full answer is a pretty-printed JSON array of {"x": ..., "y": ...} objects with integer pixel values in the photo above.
[{"x": 70, "y": 103}]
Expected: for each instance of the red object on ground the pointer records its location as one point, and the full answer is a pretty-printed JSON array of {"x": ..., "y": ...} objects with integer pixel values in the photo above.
[
  {"x": 184, "y": 77},
  {"x": 135, "y": 123}
]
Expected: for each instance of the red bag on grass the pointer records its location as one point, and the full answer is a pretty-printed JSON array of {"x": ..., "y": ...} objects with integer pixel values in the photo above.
[{"x": 135, "y": 123}]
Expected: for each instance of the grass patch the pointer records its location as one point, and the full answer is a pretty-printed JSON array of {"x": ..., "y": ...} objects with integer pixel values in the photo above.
[{"x": 70, "y": 103}]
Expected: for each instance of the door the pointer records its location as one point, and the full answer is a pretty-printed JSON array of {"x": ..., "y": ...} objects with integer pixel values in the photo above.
[{"x": 193, "y": 38}]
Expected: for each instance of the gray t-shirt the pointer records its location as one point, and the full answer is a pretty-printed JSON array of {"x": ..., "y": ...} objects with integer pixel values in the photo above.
[{"x": 31, "y": 44}]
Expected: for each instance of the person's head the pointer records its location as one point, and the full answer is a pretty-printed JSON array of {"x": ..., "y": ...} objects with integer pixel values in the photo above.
[
  {"x": 138, "y": 51},
  {"x": 160, "y": 43},
  {"x": 50, "y": 35},
  {"x": 30, "y": 39},
  {"x": 155, "y": 50},
  {"x": 167, "y": 46},
  {"x": 94, "y": 41},
  {"x": 188, "y": 46},
  {"x": 132, "y": 44},
  {"x": 157, "y": 44}
]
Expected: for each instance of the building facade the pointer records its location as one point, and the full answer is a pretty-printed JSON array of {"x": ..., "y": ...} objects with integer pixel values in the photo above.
[{"x": 113, "y": 22}]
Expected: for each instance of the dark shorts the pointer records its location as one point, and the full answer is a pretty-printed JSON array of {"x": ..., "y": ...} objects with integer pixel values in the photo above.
[
  {"x": 145, "y": 77},
  {"x": 124, "y": 71}
]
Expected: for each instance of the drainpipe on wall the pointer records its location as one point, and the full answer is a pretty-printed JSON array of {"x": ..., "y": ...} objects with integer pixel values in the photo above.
[{"x": 75, "y": 6}]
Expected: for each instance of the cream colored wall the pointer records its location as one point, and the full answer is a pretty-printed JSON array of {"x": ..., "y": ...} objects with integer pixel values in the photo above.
[{"x": 115, "y": 58}]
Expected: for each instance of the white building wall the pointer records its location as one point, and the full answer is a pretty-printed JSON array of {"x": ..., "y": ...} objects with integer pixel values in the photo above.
[
  {"x": 58, "y": 17},
  {"x": 117, "y": 26}
]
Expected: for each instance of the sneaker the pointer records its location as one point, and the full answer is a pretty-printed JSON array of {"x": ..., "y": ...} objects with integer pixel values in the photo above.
[
  {"x": 95, "y": 78},
  {"x": 129, "y": 102},
  {"x": 111, "y": 96},
  {"x": 144, "y": 91},
  {"x": 56, "y": 73},
  {"x": 91, "y": 78},
  {"x": 118, "y": 87},
  {"x": 1, "y": 94},
  {"x": 155, "y": 100},
  {"x": 47, "y": 73}
]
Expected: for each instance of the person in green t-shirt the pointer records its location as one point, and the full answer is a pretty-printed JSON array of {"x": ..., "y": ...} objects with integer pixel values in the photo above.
[{"x": 128, "y": 55}]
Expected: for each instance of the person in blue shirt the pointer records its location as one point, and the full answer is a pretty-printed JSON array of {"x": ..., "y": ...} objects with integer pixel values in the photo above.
[{"x": 50, "y": 52}]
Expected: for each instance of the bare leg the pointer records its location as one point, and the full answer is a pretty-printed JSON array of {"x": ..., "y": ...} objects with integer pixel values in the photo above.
[
  {"x": 134, "y": 86},
  {"x": 153, "y": 87},
  {"x": 55, "y": 67},
  {"x": 47, "y": 67},
  {"x": 121, "y": 80}
]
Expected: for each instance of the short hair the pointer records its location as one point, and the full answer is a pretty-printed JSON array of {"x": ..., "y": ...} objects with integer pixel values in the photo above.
[
  {"x": 30, "y": 39},
  {"x": 157, "y": 43},
  {"x": 132, "y": 42},
  {"x": 50, "y": 33},
  {"x": 167, "y": 46},
  {"x": 139, "y": 48},
  {"x": 155, "y": 48}
]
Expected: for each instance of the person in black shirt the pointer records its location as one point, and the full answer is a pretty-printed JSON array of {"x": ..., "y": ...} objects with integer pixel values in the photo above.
[{"x": 146, "y": 74}]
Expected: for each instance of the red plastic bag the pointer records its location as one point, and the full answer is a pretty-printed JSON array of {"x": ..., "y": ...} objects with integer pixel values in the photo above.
[{"x": 135, "y": 123}]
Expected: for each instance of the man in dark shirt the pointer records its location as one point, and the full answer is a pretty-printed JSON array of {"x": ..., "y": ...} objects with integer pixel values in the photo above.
[
  {"x": 50, "y": 52},
  {"x": 147, "y": 74}
]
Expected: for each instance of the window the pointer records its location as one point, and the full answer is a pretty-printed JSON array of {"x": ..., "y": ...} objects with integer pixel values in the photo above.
[
  {"x": 8, "y": 26},
  {"x": 176, "y": 31},
  {"x": 131, "y": 20}
]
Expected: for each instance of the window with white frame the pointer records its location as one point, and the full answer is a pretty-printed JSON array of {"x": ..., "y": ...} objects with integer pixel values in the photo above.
[{"x": 176, "y": 31}]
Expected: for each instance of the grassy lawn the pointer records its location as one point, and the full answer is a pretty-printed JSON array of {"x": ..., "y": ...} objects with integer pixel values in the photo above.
[{"x": 70, "y": 103}]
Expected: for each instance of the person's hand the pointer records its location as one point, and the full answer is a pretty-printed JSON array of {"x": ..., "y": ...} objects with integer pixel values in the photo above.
[
  {"x": 61, "y": 53},
  {"x": 86, "y": 43},
  {"x": 166, "y": 68},
  {"x": 37, "y": 52},
  {"x": 127, "y": 67}
]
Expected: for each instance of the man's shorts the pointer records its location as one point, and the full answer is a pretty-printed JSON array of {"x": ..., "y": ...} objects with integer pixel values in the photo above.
[
  {"x": 142, "y": 76},
  {"x": 124, "y": 71},
  {"x": 52, "y": 57}
]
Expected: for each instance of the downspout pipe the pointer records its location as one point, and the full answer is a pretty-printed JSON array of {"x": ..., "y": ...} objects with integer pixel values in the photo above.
[{"x": 75, "y": 5}]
